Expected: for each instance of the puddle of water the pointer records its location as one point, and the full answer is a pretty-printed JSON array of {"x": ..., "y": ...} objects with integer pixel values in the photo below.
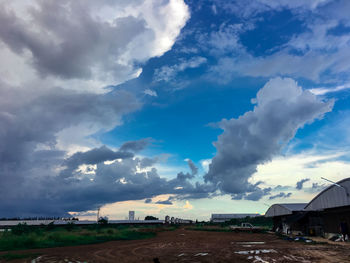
[
  {"x": 182, "y": 254},
  {"x": 259, "y": 259},
  {"x": 257, "y": 251},
  {"x": 35, "y": 260},
  {"x": 201, "y": 254}
]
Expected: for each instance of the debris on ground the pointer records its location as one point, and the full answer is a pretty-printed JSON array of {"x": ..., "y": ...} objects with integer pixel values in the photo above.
[
  {"x": 303, "y": 239},
  {"x": 334, "y": 238}
]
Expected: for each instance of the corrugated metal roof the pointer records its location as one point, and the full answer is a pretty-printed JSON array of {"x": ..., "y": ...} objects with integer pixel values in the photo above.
[
  {"x": 335, "y": 195},
  {"x": 284, "y": 209},
  {"x": 294, "y": 206},
  {"x": 332, "y": 196}
]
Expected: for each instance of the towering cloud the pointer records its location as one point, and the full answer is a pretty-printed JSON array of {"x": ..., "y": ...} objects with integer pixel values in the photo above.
[
  {"x": 281, "y": 108},
  {"x": 55, "y": 57}
]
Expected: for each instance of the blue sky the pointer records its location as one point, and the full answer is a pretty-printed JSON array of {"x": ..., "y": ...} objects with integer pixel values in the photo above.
[
  {"x": 211, "y": 106},
  {"x": 189, "y": 108}
]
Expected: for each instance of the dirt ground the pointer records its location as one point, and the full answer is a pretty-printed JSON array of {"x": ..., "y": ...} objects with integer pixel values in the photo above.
[{"x": 197, "y": 246}]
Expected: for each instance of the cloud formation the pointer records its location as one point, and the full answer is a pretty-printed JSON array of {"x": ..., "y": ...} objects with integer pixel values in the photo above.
[
  {"x": 193, "y": 167},
  {"x": 99, "y": 44},
  {"x": 281, "y": 108},
  {"x": 150, "y": 92},
  {"x": 253, "y": 8},
  {"x": 165, "y": 202},
  {"x": 280, "y": 195},
  {"x": 315, "y": 51},
  {"x": 76, "y": 189},
  {"x": 300, "y": 183},
  {"x": 134, "y": 146},
  {"x": 66, "y": 53},
  {"x": 168, "y": 73},
  {"x": 34, "y": 165}
]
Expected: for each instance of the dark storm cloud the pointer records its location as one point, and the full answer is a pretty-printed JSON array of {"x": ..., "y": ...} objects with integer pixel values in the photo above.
[
  {"x": 194, "y": 169},
  {"x": 119, "y": 181},
  {"x": 37, "y": 178},
  {"x": 135, "y": 146},
  {"x": 48, "y": 181},
  {"x": 282, "y": 107},
  {"x": 184, "y": 176},
  {"x": 280, "y": 195},
  {"x": 148, "y": 200},
  {"x": 43, "y": 128},
  {"x": 93, "y": 156},
  {"x": 78, "y": 191},
  {"x": 92, "y": 40},
  {"x": 30, "y": 121},
  {"x": 148, "y": 162},
  {"x": 165, "y": 202},
  {"x": 300, "y": 183},
  {"x": 81, "y": 40},
  {"x": 257, "y": 194},
  {"x": 254, "y": 193}
]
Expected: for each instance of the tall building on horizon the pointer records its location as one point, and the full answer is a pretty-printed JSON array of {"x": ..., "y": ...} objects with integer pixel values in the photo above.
[{"x": 132, "y": 215}]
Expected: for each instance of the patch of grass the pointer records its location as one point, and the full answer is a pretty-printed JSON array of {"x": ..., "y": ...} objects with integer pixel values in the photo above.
[
  {"x": 28, "y": 238},
  {"x": 13, "y": 256}
]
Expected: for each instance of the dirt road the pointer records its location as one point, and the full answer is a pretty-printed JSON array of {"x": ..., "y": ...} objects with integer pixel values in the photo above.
[{"x": 198, "y": 246}]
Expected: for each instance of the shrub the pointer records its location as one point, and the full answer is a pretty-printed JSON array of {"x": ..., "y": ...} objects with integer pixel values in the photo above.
[{"x": 21, "y": 229}]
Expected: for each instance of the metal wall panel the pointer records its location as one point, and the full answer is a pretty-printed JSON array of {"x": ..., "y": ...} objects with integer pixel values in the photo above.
[{"x": 332, "y": 196}]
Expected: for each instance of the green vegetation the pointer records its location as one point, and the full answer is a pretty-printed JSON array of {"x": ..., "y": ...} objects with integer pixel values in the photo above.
[
  {"x": 151, "y": 218},
  {"x": 26, "y": 237},
  {"x": 13, "y": 256}
]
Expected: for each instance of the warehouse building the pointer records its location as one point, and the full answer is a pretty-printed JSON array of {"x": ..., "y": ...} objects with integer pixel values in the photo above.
[
  {"x": 288, "y": 218},
  {"x": 330, "y": 208},
  {"x": 323, "y": 215},
  {"x": 221, "y": 218}
]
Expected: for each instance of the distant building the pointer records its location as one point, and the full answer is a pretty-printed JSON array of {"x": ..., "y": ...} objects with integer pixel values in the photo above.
[
  {"x": 132, "y": 215},
  {"x": 220, "y": 218}
]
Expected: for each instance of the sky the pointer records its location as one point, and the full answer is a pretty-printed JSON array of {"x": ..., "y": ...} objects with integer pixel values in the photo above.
[{"x": 171, "y": 107}]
